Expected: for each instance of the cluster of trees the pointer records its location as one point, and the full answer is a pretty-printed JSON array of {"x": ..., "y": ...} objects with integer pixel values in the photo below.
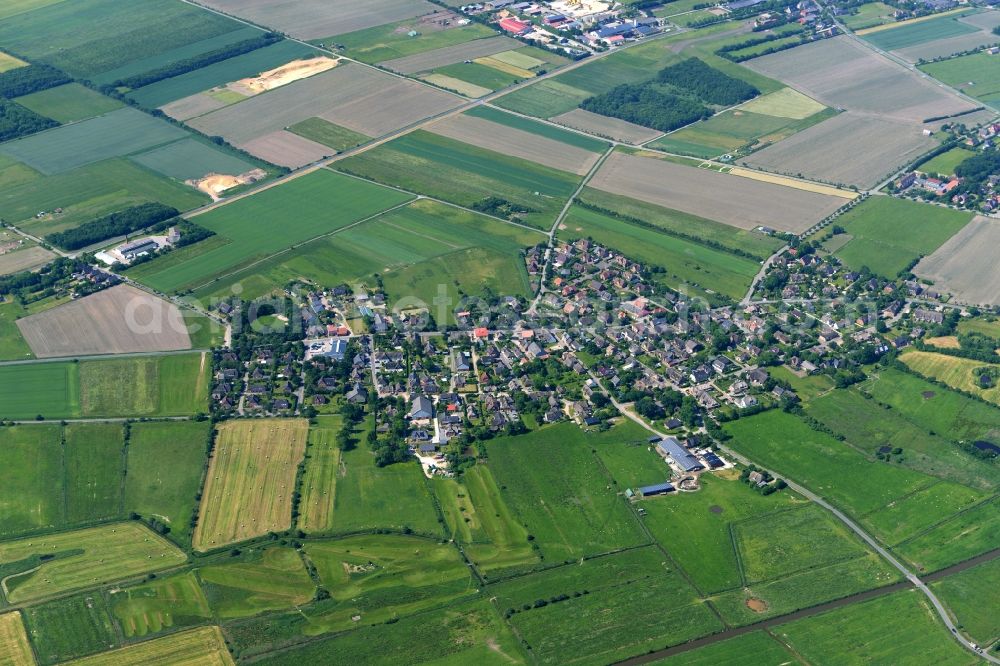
[
  {"x": 44, "y": 279},
  {"x": 17, "y": 121},
  {"x": 116, "y": 224},
  {"x": 179, "y": 67},
  {"x": 499, "y": 207},
  {"x": 392, "y": 447},
  {"x": 26, "y": 80},
  {"x": 767, "y": 489},
  {"x": 977, "y": 169},
  {"x": 706, "y": 82},
  {"x": 647, "y": 104}
]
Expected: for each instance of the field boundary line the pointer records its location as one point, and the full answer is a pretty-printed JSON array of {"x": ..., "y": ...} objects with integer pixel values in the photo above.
[{"x": 987, "y": 500}]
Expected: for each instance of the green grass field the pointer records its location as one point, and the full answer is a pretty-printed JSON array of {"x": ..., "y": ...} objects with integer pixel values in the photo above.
[
  {"x": 733, "y": 652},
  {"x": 975, "y": 75},
  {"x": 988, "y": 326},
  {"x": 569, "y": 509},
  {"x": 902, "y": 36},
  {"x": 970, "y": 595},
  {"x": 95, "y": 470},
  {"x": 69, "y": 103},
  {"x": 954, "y": 371},
  {"x": 83, "y": 558},
  {"x": 32, "y": 478},
  {"x": 392, "y": 40},
  {"x": 87, "y": 193},
  {"x": 689, "y": 266},
  {"x": 889, "y": 233},
  {"x": 274, "y": 580},
  {"x": 945, "y": 163},
  {"x": 381, "y": 577},
  {"x": 192, "y": 159},
  {"x": 547, "y": 131},
  {"x": 968, "y": 534},
  {"x": 204, "y": 646},
  {"x": 859, "y": 634},
  {"x": 71, "y": 627},
  {"x": 707, "y": 551},
  {"x": 12, "y": 345},
  {"x": 149, "y": 608},
  {"x": 304, "y": 208},
  {"x": 51, "y": 389},
  {"x": 480, "y": 75},
  {"x": 165, "y": 468},
  {"x": 327, "y": 133},
  {"x": 319, "y": 483},
  {"x": 463, "y": 174},
  {"x": 869, "y": 15}
]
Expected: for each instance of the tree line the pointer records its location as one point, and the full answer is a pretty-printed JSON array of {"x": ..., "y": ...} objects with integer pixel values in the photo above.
[
  {"x": 120, "y": 223},
  {"x": 647, "y": 105},
  {"x": 17, "y": 121},
  {"x": 707, "y": 83},
  {"x": 33, "y": 78}
]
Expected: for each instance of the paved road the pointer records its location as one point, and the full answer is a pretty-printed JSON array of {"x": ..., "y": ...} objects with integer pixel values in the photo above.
[{"x": 760, "y": 275}]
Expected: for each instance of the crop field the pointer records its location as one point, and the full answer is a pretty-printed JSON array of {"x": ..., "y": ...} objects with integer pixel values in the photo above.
[
  {"x": 455, "y": 171},
  {"x": 969, "y": 596},
  {"x": 172, "y": 385},
  {"x": 87, "y": 193},
  {"x": 869, "y": 426},
  {"x": 198, "y": 82},
  {"x": 246, "y": 492},
  {"x": 115, "y": 134},
  {"x": 970, "y": 32},
  {"x": 960, "y": 538},
  {"x": 707, "y": 551},
  {"x": 189, "y": 159},
  {"x": 392, "y": 41},
  {"x": 380, "y": 577},
  {"x": 546, "y": 131},
  {"x": 272, "y": 580},
  {"x": 857, "y": 634},
  {"x": 326, "y": 133},
  {"x": 975, "y": 75},
  {"x": 27, "y": 258},
  {"x": 71, "y": 627},
  {"x": 428, "y": 60},
  {"x": 165, "y": 467},
  {"x": 518, "y": 143},
  {"x": 149, "y": 608},
  {"x": 842, "y": 74},
  {"x": 479, "y": 74},
  {"x": 118, "y": 320},
  {"x": 954, "y": 371},
  {"x": 611, "y": 128},
  {"x": 749, "y": 204},
  {"x": 319, "y": 483},
  {"x": 905, "y": 34},
  {"x": 90, "y": 37},
  {"x": 964, "y": 265},
  {"x": 850, "y": 149},
  {"x": 304, "y": 208},
  {"x": 55, "y": 477},
  {"x": 83, "y": 558},
  {"x": 204, "y": 646},
  {"x": 888, "y": 234},
  {"x": 343, "y": 96},
  {"x": 286, "y": 149},
  {"x": 570, "y": 510},
  {"x": 821, "y": 463},
  {"x": 596, "y": 623},
  {"x": 869, "y": 15},
  {"x": 69, "y": 103},
  {"x": 14, "y": 641},
  {"x": 690, "y": 266},
  {"x": 50, "y": 389}
]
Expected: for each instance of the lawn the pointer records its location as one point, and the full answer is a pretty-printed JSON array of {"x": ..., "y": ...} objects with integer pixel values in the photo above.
[
  {"x": 319, "y": 483},
  {"x": 971, "y": 597},
  {"x": 12, "y": 344},
  {"x": 869, "y": 15},
  {"x": 569, "y": 509},
  {"x": 688, "y": 266},
  {"x": 204, "y": 646},
  {"x": 83, "y": 558},
  {"x": 304, "y": 208},
  {"x": 975, "y": 75},
  {"x": 860, "y": 634},
  {"x": 466, "y": 175},
  {"x": 251, "y": 477},
  {"x": 706, "y": 551},
  {"x": 889, "y": 234},
  {"x": 393, "y": 40},
  {"x": 904, "y": 35},
  {"x": 954, "y": 371},
  {"x": 31, "y": 478},
  {"x": 945, "y": 163},
  {"x": 69, "y": 103},
  {"x": 165, "y": 467},
  {"x": 806, "y": 387},
  {"x": 989, "y": 327},
  {"x": 273, "y": 579},
  {"x": 381, "y": 577},
  {"x": 165, "y": 603},
  {"x": 95, "y": 469},
  {"x": 72, "y": 627},
  {"x": 329, "y": 134}
]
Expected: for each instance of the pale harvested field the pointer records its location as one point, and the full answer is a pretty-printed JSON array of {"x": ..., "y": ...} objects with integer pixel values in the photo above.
[
  {"x": 248, "y": 491},
  {"x": 192, "y": 107},
  {"x": 966, "y": 265},
  {"x": 843, "y": 74},
  {"x": 24, "y": 260},
  {"x": 939, "y": 48},
  {"x": 282, "y": 76},
  {"x": 848, "y": 149},
  {"x": 358, "y": 98},
  {"x": 510, "y": 141},
  {"x": 610, "y": 128},
  {"x": 739, "y": 202},
  {"x": 118, "y": 320},
  {"x": 422, "y": 62},
  {"x": 14, "y": 648},
  {"x": 286, "y": 149},
  {"x": 808, "y": 186},
  {"x": 203, "y": 646},
  {"x": 458, "y": 85},
  {"x": 317, "y": 19}
]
